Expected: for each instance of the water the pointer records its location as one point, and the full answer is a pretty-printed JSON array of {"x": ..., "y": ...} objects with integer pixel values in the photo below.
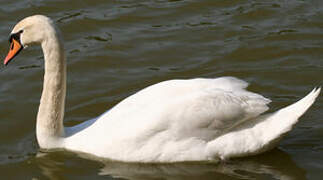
[{"x": 116, "y": 48}]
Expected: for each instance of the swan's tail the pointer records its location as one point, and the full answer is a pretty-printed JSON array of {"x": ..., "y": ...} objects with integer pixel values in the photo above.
[
  {"x": 289, "y": 115},
  {"x": 263, "y": 133},
  {"x": 279, "y": 123}
]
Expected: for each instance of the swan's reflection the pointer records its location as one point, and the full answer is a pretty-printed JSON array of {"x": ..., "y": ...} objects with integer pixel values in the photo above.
[{"x": 275, "y": 164}]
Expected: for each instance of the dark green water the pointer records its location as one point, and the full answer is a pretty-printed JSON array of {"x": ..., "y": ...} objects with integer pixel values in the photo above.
[{"x": 115, "y": 48}]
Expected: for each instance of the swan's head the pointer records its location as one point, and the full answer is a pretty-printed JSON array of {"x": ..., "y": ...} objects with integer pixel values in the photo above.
[{"x": 31, "y": 30}]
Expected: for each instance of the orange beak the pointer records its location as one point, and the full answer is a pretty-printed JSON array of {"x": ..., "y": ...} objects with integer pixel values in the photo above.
[{"x": 15, "y": 48}]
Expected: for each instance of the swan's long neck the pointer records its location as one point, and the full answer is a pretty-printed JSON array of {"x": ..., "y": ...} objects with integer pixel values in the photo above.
[{"x": 50, "y": 129}]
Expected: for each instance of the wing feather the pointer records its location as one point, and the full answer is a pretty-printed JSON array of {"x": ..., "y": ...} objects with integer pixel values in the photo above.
[{"x": 200, "y": 108}]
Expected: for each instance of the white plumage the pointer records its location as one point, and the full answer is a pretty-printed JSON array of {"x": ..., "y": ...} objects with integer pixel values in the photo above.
[{"x": 176, "y": 120}]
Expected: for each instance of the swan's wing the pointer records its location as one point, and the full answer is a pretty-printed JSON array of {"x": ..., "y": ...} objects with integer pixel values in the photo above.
[{"x": 202, "y": 108}]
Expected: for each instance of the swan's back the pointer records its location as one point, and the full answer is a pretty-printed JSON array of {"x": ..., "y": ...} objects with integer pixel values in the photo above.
[{"x": 216, "y": 103}]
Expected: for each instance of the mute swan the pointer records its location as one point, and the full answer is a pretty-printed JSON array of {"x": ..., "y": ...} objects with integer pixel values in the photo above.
[{"x": 177, "y": 120}]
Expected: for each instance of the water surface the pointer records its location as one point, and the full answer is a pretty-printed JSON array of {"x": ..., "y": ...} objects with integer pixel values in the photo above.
[{"x": 115, "y": 48}]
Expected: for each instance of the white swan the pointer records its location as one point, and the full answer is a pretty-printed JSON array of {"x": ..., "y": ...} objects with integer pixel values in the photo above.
[{"x": 176, "y": 120}]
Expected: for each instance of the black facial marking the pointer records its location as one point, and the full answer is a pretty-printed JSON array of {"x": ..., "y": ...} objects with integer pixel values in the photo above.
[{"x": 15, "y": 36}]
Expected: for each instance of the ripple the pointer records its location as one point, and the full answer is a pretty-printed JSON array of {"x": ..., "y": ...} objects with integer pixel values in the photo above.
[{"x": 116, "y": 48}]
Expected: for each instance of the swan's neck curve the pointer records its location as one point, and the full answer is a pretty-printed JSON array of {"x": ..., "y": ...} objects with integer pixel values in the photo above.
[{"x": 49, "y": 128}]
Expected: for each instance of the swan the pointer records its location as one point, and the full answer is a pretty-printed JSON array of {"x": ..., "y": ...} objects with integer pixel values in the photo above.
[{"x": 201, "y": 119}]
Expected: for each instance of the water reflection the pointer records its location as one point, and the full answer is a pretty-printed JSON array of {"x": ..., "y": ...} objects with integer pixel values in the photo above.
[{"x": 272, "y": 165}]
